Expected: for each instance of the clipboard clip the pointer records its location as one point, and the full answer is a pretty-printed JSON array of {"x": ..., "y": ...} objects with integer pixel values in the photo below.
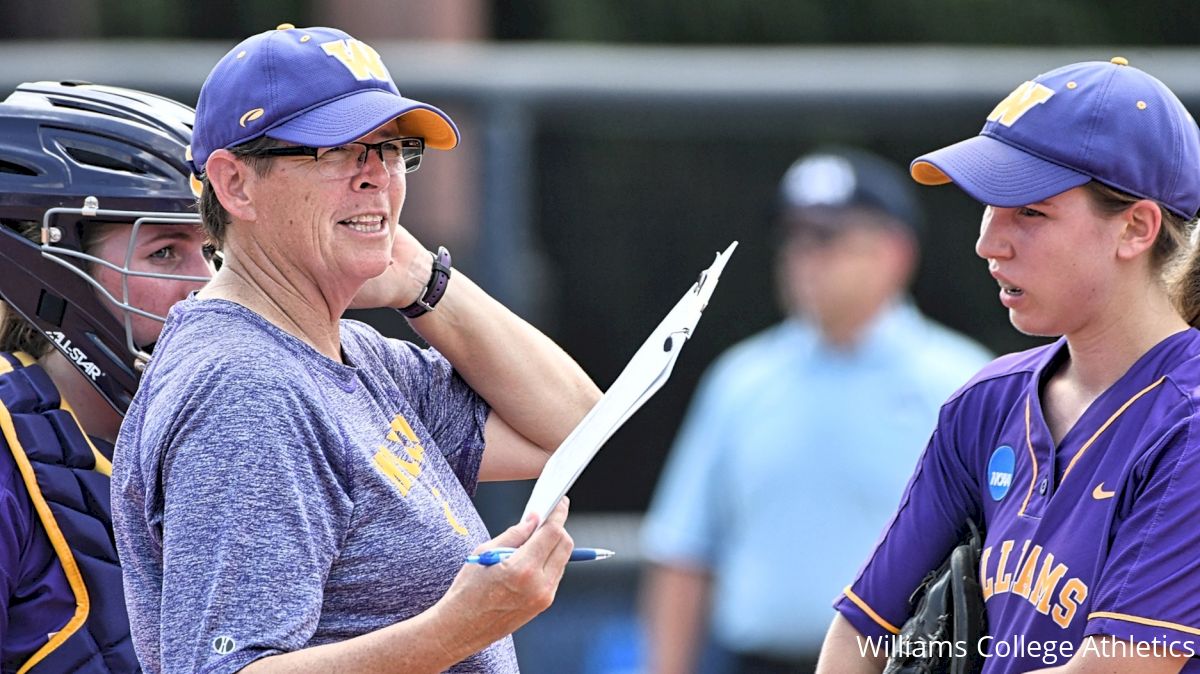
[{"x": 703, "y": 289}]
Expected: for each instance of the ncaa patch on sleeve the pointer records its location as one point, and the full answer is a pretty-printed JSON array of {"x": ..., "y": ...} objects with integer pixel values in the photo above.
[{"x": 1000, "y": 471}]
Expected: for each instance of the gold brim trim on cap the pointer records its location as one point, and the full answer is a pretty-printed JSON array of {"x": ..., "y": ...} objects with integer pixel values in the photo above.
[
  {"x": 427, "y": 124},
  {"x": 928, "y": 174}
]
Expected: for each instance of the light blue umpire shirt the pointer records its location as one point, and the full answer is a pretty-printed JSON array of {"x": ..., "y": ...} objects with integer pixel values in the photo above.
[{"x": 792, "y": 458}]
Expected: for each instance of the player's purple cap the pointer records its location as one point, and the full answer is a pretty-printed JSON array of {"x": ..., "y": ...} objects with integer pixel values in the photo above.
[
  {"x": 309, "y": 86},
  {"x": 1096, "y": 120}
]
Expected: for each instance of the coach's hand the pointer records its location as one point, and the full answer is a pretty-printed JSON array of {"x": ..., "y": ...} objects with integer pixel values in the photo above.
[
  {"x": 404, "y": 279},
  {"x": 487, "y": 603}
]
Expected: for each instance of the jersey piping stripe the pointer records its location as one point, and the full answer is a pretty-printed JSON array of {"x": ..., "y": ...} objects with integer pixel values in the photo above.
[
  {"x": 23, "y": 358},
  {"x": 1032, "y": 457},
  {"x": 1144, "y": 621},
  {"x": 57, "y": 541},
  {"x": 870, "y": 612},
  {"x": 103, "y": 465},
  {"x": 1108, "y": 423}
]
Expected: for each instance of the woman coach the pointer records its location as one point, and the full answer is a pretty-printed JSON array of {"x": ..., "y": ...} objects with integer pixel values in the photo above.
[{"x": 294, "y": 489}]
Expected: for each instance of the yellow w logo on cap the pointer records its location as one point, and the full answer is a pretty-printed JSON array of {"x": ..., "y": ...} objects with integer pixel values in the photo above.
[
  {"x": 359, "y": 58},
  {"x": 1019, "y": 102}
]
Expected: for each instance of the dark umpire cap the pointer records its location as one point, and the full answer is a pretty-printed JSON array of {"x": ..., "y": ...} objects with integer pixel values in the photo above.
[{"x": 836, "y": 179}]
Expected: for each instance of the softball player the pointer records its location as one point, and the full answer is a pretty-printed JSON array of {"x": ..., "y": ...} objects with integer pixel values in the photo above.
[
  {"x": 1080, "y": 458},
  {"x": 97, "y": 175}
]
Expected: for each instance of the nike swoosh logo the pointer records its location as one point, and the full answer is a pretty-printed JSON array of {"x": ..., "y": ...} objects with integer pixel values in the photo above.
[{"x": 1099, "y": 494}]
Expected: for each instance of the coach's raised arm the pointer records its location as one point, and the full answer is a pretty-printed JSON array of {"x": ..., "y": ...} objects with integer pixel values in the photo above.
[{"x": 294, "y": 488}]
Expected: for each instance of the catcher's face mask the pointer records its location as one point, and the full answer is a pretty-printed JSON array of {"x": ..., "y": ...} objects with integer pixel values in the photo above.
[
  {"x": 139, "y": 269},
  {"x": 102, "y": 173}
]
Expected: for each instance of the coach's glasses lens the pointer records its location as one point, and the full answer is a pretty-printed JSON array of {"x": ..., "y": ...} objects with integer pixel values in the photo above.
[
  {"x": 412, "y": 149},
  {"x": 402, "y": 155},
  {"x": 399, "y": 155}
]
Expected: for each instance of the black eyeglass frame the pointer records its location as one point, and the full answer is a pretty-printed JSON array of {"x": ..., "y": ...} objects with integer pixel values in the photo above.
[{"x": 410, "y": 163}]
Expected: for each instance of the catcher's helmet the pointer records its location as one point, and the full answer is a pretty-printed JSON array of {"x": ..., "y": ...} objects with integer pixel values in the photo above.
[{"x": 74, "y": 155}]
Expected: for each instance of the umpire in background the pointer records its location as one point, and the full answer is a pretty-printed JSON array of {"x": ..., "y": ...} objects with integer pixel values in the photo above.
[{"x": 801, "y": 438}]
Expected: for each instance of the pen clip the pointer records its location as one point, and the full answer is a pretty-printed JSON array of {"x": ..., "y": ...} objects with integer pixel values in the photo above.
[{"x": 491, "y": 557}]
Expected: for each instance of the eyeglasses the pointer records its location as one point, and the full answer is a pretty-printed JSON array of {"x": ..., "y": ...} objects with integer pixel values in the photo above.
[{"x": 399, "y": 155}]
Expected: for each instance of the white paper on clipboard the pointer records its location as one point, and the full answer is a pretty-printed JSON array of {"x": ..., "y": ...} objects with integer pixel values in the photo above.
[{"x": 646, "y": 372}]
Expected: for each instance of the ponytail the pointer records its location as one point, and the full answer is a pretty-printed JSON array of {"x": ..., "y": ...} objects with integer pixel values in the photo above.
[
  {"x": 1176, "y": 252},
  {"x": 1184, "y": 279},
  {"x": 17, "y": 334}
]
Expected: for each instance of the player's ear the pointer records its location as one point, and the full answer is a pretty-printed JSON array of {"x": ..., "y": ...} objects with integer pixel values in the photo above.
[
  {"x": 232, "y": 180},
  {"x": 1142, "y": 222}
]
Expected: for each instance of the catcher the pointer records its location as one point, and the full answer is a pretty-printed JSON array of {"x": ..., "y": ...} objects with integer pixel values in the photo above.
[
  {"x": 97, "y": 176},
  {"x": 1079, "y": 458}
]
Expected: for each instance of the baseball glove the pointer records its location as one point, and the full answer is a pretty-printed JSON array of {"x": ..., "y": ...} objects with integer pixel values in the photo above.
[{"x": 948, "y": 620}]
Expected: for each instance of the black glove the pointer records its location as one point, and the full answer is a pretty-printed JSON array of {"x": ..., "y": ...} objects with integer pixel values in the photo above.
[{"x": 948, "y": 620}]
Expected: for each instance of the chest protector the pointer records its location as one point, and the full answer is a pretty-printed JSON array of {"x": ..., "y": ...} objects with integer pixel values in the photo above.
[{"x": 68, "y": 483}]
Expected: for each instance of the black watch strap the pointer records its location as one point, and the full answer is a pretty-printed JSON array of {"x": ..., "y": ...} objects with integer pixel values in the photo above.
[{"x": 432, "y": 293}]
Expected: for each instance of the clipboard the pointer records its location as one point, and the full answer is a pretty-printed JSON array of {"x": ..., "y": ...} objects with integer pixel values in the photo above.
[{"x": 645, "y": 373}]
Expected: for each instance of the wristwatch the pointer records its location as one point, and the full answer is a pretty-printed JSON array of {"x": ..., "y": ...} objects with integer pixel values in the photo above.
[{"x": 432, "y": 293}]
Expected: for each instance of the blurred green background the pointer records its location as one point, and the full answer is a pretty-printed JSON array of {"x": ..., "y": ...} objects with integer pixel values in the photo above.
[
  {"x": 697, "y": 22},
  {"x": 611, "y": 148}
]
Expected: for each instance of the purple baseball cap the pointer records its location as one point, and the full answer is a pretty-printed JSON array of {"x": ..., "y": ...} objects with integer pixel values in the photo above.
[
  {"x": 1104, "y": 121},
  {"x": 309, "y": 86}
]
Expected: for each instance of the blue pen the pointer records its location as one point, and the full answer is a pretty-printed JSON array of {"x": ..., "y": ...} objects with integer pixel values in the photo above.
[{"x": 497, "y": 555}]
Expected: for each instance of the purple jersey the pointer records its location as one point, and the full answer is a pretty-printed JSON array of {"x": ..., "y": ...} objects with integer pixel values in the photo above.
[{"x": 1098, "y": 536}]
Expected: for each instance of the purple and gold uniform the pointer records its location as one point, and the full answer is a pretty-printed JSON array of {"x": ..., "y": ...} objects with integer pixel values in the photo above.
[
  {"x": 1093, "y": 533},
  {"x": 1096, "y": 536},
  {"x": 62, "y": 605}
]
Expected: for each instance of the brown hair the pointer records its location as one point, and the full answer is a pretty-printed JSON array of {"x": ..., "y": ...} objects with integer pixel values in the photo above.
[
  {"x": 16, "y": 333},
  {"x": 213, "y": 216},
  {"x": 1175, "y": 254},
  {"x": 1185, "y": 282}
]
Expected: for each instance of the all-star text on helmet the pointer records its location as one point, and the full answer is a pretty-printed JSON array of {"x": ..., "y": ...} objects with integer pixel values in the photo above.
[{"x": 72, "y": 156}]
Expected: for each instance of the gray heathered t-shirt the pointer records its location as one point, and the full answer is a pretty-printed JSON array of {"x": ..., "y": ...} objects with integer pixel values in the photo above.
[{"x": 266, "y": 498}]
